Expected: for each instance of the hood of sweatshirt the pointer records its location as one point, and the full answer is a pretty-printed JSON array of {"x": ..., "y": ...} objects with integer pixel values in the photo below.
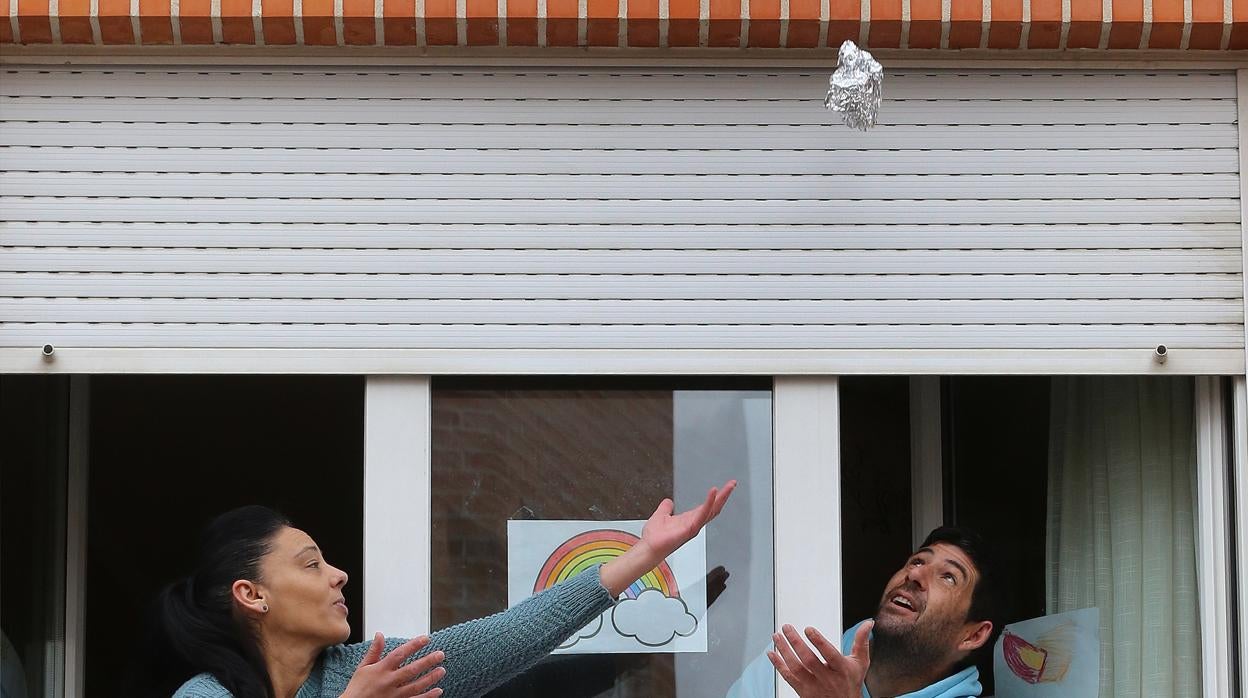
[{"x": 964, "y": 684}]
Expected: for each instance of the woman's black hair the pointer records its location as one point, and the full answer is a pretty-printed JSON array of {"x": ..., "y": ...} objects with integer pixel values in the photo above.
[{"x": 195, "y": 627}]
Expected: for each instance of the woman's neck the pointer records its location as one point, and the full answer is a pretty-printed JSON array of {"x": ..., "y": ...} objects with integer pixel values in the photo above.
[{"x": 289, "y": 663}]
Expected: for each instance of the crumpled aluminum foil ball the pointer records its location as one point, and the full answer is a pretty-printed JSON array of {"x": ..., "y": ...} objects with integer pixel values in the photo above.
[{"x": 854, "y": 90}]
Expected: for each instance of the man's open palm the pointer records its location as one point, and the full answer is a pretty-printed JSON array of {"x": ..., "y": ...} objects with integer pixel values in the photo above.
[{"x": 834, "y": 675}]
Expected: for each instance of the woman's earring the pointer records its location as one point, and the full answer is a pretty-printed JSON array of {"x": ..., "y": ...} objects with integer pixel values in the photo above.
[{"x": 264, "y": 608}]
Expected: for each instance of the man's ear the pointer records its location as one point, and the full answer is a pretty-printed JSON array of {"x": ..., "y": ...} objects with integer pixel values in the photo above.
[
  {"x": 975, "y": 636},
  {"x": 249, "y": 597}
]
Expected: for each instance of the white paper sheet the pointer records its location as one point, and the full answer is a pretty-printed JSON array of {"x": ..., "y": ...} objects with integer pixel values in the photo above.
[
  {"x": 665, "y": 611},
  {"x": 1057, "y": 656}
]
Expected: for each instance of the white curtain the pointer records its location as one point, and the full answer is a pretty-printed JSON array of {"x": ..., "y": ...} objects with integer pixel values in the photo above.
[{"x": 1121, "y": 528}]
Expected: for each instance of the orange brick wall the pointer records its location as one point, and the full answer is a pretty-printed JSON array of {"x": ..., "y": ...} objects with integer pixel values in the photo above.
[{"x": 963, "y": 24}]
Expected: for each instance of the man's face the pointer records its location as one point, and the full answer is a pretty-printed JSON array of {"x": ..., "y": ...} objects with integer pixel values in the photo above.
[{"x": 924, "y": 607}]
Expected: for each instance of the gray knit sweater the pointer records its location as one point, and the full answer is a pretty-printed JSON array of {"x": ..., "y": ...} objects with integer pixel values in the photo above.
[{"x": 480, "y": 654}]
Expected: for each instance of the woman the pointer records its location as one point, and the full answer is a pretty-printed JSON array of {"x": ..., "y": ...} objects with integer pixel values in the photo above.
[{"x": 263, "y": 617}]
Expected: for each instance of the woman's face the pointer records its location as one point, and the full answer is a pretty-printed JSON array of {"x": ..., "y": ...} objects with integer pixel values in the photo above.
[{"x": 303, "y": 591}]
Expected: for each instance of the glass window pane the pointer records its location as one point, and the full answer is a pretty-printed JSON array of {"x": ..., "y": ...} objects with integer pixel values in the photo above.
[
  {"x": 1083, "y": 485},
  {"x": 998, "y": 433},
  {"x": 170, "y": 453},
  {"x": 602, "y": 452},
  {"x": 875, "y": 489},
  {"x": 1121, "y": 526},
  {"x": 34, "y": 420}
]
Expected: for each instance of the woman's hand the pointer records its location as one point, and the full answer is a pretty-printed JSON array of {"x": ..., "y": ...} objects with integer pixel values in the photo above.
[
  {"x": 661, "y": 536},
  {"x": 387, "y": 677},
  {"x": 664, "y": 533},
  {"x": 834, "y": 675}
]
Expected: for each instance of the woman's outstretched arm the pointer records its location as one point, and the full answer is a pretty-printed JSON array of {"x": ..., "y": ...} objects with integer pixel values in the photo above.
[
  {"x": 661, "y": 536},
  {"x": 483, "y": 653}
]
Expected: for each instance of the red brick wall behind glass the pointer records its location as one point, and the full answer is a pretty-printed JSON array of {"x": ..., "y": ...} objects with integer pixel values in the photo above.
[{"x": 544, "y": 454}]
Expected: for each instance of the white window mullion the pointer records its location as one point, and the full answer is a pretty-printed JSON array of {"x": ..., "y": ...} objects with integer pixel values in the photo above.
[
  {"x": 76, "y": 537},
  {"x": 397, "y": 505},
  {"x": 1239, "y": 427},
  {"x": 807, "y": 505},
  {"x": 1240, "y": 410},
  {"x": 1241, "y": 103},
  {"x": 927, "y": 476},
  {"x": 1213, "y": 542}
]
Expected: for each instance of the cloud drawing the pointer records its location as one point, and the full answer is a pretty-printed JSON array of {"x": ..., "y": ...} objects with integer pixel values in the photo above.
[{"x": 653, "y": 619}]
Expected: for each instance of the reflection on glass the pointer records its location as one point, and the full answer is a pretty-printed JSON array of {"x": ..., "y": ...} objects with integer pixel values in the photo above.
[
  {"x": 34, "y": 418},
  {"x": 558, "y": 451}
]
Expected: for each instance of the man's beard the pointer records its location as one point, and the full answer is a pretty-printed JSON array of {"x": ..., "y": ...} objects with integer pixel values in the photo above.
[{"x": 922, "y": 643}]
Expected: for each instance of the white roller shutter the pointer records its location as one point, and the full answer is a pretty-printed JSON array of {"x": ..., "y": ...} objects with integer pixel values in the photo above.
[{"x": 1090, "y": 214}]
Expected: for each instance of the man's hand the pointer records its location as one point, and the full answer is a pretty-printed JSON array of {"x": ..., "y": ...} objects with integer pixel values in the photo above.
[
  {"x": 387, "y": 677},
  {"x": 839, "y": 676}
]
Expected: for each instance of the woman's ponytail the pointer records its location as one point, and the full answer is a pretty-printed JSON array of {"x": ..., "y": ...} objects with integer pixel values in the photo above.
[{"x": 195, "y": 627}]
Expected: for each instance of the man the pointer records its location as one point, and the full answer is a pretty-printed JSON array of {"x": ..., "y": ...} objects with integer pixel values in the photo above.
[{"x": 937, "y": 614}]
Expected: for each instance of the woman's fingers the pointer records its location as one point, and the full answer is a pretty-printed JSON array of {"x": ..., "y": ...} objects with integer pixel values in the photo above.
[
  {"x": 428, "y": 680},
  {"x": 722, "y": 498},
  {"x": 697, "y": 517},
  {"x": 426, "y": 665},
  {"x": 404, "y": 651},
  {"x": 427, "y": 662},
  {"x": 716, "y": 498},
  {"x": 373, "y": 655},
  {"x": 665, "y": 508},
  {"x": 394, "y": 675},
  {"x": 706, "y": 509}
]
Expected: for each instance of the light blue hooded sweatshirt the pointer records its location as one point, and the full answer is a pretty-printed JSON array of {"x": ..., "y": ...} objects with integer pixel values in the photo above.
[{"x": 758, "y": 679}]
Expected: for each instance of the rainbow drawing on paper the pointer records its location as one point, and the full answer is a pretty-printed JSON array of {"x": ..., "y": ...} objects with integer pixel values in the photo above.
[
  {"x": 653, "y": 614},
  {"x": 598, "y": 546}
]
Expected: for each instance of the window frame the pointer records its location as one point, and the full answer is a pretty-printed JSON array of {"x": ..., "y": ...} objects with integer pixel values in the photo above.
[
  {"x": 1213, "y": 526},
  {"x": 806, "y": 479},
  {"x": 1239, "y": 460},
  {"x": 807, "y": 483},
  {"x": 73, "y": 652},
  {"x": 397, "y": 464}
]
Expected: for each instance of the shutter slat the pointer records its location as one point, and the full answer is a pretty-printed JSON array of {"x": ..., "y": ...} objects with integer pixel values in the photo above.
[
  {"x": 594, "y": 137},
  {"x": 578, "y": 111},
  {"x": 666, "y": 162},
  {"x": 616, "y": 286},
  {"x": 970, "y": 337},
  {"x": 640, "y": 211},
  {"x": 637, "y": 237},
  {"x": 625, "y": 312},
  {"x": 624, "y": 261},
  {"x": 606, "y": 187}
]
